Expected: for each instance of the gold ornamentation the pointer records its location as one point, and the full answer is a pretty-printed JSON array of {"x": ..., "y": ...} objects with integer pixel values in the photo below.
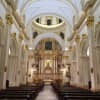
[
  {"x": 20, "y": 37},
  {"x": 70, "y": 48},
  {"x": 84, "y": 36},
  {"x": 13, "y": 35},
  {"x": 26, "y": 47},
  {"x": 9, "y": 19},
  {"x": 90, "y": 20},
  {"x": 1, "y": 23},
  {"x": 77, "y": 39}
]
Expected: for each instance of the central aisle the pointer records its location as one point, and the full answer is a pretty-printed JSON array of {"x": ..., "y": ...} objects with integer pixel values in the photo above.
[{"x": 47, "y": 94}]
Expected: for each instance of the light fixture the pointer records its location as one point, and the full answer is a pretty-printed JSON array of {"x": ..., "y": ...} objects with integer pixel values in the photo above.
[
  {"x": 88, "y": 53},
  {"x": 30, "y": 48},
  {"x": 66, "y": 49},
  {"x": 9, "y": 51}
]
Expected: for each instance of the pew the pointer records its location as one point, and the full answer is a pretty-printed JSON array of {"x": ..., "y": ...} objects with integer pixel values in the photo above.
[
  {"x": 75, "y": 93},
  {"x": 85, "y": 97},
  {"x": 20, "y": 93}
]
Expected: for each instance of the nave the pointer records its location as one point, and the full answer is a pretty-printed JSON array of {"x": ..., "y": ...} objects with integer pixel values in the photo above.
[
  {"x": 49, "y": 41},
  {"x": 47, "y": 94}
]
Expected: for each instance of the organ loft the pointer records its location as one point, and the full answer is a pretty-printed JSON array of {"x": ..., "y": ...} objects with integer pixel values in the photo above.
[{"x": 49, "y": 49}]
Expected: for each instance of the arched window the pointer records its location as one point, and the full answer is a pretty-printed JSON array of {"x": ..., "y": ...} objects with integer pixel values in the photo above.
[
  {"x": 60, "y": 20},
  {"x": 48, "y": 45},
  {"x": 35, "y": 34},
  {"x": 49, "y": 22},
  {"x": 37, "y": 20},
  {"x": 62, "y": 35}
]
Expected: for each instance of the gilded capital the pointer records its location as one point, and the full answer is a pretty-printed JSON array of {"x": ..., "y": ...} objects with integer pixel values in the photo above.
[
  {"x": 84, "y": 36},
  {"x": 77, "y": 38},
  {"x": 26, "y": 47},
  {"x": 21, "y": 36},
  {"x": 70, "y": 48},
  {"x": 1, "y": 23},
  {"x": 9, "y": 19},
  {"x": 90, "y": 20},
  {"x": 13, "y": 35}
]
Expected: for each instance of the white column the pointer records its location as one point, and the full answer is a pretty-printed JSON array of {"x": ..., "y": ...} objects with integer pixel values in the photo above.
[
  {"x": 43, "y": 20},
  {"x": 54, "y": 21},
  {"x": 93, "y": 64},
  {"x": 9, "y": 22},
  {"x": 84, "y": 71},
  {"x": 3, "y": 38},
  {"x": 7, "y": 53},
  {"x": 77, "y": 59}
]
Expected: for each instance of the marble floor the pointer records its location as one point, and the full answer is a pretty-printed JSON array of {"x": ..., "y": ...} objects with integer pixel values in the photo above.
[{"x": 47, "y": 94}]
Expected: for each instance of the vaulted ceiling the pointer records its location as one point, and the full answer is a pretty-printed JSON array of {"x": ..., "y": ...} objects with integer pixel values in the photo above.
[{"x": 64, "y": 8}]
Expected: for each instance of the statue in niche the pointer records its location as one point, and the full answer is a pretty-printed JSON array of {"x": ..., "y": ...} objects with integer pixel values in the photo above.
[
  {"x": 48, "y": 69},
  {"x": 48, "y": 64}
]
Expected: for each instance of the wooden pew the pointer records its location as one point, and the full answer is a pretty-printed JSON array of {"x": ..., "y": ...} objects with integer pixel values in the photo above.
[
  {"x": 74, "y": 93},
  {"x": 71, "y": 97},
  {"x": 20, "y": 93}
]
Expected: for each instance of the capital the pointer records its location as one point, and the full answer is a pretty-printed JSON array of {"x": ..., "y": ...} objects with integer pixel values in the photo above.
[
  {"x": 26, "y": 47},
  {"x": 1, "y": 23},
  {"x": 13, "y": 35},
  {"x": 77, "y": 38},
  {"x": 70, "y": 48},
  {"x": 21, "y": 37},
  {"x": 90, "y": 20},
  {"x": 9, "y": 19},
  {"x": 84, "y": 36}
]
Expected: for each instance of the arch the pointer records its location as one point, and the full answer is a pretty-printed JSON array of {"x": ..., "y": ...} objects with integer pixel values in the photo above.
[
  {"x": 58, "y": 8},
  {"x": 48, "y": 35},
  {"x": 30, "y": 2}
]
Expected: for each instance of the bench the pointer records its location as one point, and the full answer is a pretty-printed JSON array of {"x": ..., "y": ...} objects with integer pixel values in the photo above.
[{"x": 20, "y": 93}]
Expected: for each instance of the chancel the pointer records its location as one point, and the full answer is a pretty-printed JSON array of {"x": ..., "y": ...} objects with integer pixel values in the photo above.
[{"x": 49, "y": 49}]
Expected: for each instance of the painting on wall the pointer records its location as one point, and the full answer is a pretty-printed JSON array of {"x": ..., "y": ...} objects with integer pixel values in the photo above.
[{"x": 48, "y": 45}]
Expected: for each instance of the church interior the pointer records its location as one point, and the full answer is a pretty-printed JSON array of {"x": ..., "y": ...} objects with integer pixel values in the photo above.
[{"x": 49, "y": 49}]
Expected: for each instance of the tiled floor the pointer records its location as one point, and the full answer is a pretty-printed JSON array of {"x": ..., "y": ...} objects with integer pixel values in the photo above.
[{"x": 47, "y": 94}]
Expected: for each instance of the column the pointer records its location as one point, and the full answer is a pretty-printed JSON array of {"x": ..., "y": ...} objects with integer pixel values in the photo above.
[
  {"x": 3, "y": 38},
  {"x": 77, "y": 40},
  {"x": 55, "y": 64},
  {"x": 92, "y": 50},
  {"x": 19, "y": 66},
  {"x": 12, "y": 70},
  {"x": 42, "y": 67},
  {"x": 97, "y": 33},
  {"x": 9, "y": 22},
  {"x": 43, "y": 20},
  {"x": 54, "y": 20},
  {"x": 84, "y": 71}
]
